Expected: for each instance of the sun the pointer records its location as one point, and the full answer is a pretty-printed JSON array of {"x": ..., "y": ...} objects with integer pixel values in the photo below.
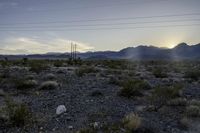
[{"x": 172, "y": 44}]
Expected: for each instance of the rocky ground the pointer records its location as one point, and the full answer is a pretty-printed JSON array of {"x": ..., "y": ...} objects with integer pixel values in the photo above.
[{"x": 91, "y": 96}]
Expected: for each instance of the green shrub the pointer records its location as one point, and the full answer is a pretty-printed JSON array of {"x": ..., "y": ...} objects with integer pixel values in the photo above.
[
  {"x": 25, "y": 61},
  {"x": 18, "y": 114},
  {"x": 114, "y": 80},
  {"x": 193, "y": 111},
  {"x": 133, "y": 88},
  {"x": 177, "y": 102},
  {"x": 159, "y": 73},
  {"x": 96, "y": 93},
  {"x": 162, "y": 94},
  {"x": 84, "y": 70},
  {"x": 185, "y": 122},
  {"x": 22, "y": 84},
  {"x": 192, "y": 74},
  {"x": 38, "y": 66},
  {"x": 195, "y": 102},
  {"x": 5, "y": 64},
  {"x": 87, "y": 130},
  {"x": 58, "y": 63}
]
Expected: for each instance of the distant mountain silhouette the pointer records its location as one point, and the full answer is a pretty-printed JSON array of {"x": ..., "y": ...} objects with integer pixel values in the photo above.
[{"x": 181, "y": 51}]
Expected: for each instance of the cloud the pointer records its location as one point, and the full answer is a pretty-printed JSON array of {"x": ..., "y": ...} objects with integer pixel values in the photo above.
[
  {"x": 17, "y": 51},
  {"x": 23, "y": 45},
  {"x": 8, "y": 4}
]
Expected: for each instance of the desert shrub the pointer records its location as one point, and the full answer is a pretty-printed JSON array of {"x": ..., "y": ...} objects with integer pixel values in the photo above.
[
  {"x": 96, "y": 93},
  {"x": 132, "y": 122},
  {"x": 50, "y": 76},
  {"x": 193, "y": 111},
  {"x": 194, "y": 102},
  {"x": 2, "y": 93},
  {"x": 84, "y": 70},
  {"x": 162, "y": 94},
  {"x": 159, "y": 73},
  {"x": 87, "y": 130},
  {"x": 25, "y": 61},
  {"x": 177, "y": 102},
  {"x": 115, "y": 64},
  {"x": 49, "y": 85},
  {"x": 5, "y": 73},
  {"x": 114, "y": 80},
  {"x": 5, "y": 63},
  {"x": 133, "y": 88},
  {"x": 185, "y": 122},
  {"x": 58, "y": 63},
  {"x": 192, "y": 74},
  {"x": 22, "y": 84},
  {"x": 30, "y": 77},
  {"x": 18, "y": 114},
  {"x": 38, "y": 66}
]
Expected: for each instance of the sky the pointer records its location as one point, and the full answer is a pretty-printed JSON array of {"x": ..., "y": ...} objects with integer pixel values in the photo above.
[{"x": 42, "y": 26}]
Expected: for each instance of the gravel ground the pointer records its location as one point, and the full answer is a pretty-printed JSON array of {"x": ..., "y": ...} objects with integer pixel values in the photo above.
[{"x": 83, "y": 109}]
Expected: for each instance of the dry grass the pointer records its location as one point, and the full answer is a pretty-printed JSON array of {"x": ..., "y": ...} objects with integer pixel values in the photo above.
[
  {"x": 132, "y": 121},
  {"x": 49, "y": 85},
  {"x": 193, "y": 111},
  {"x": 177, "y": 102}
]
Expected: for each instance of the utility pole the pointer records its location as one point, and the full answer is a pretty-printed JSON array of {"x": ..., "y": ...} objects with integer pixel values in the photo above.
[{"x": 73, "y": 51}]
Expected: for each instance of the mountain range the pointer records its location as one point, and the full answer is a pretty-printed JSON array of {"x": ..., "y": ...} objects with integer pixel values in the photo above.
[{"x": 179, "y": 52}]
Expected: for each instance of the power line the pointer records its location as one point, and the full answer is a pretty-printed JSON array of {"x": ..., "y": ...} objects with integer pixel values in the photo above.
[
  {"x": 113, "y": 28},
  {"x": 97, "y": 6},
  {"x": 105, "y": 24},
  {"x": 106, "y": 19}
]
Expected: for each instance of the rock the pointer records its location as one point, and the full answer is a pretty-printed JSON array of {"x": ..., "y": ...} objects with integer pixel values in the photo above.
[
  {"x": 140, "y": 108},
  {"x": 96, "y": 125},
  {"x": 61, "y": 109},
  {"x": 70, "y": 127}
]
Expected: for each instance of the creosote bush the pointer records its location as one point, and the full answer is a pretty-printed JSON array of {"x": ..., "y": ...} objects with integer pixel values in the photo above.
[
  {"x": 177, "y": 102},
  {"x": 185, "y": 122},
  {"x": 159, "y": 73},
  {"x": 18, "y": 114},
  {"x": 195, "y": 102},
  {"x": 193, "y": 111},
  {"x": 96, "y": 93},
  {"x": 133, "y": 88},
  {"x": 114, "y": 80},
  {"x": 58, "y": 63},
  {"x": 38, "y": 66},
  {"x": 84, "y": 70},
  {"x": 49, "y": 85},
  {"x": 162, "y": 94},
  {"x": 192, "y": 74},
  {"x": 22, "y": 84},
  {"x": 132, "y": 122}
]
